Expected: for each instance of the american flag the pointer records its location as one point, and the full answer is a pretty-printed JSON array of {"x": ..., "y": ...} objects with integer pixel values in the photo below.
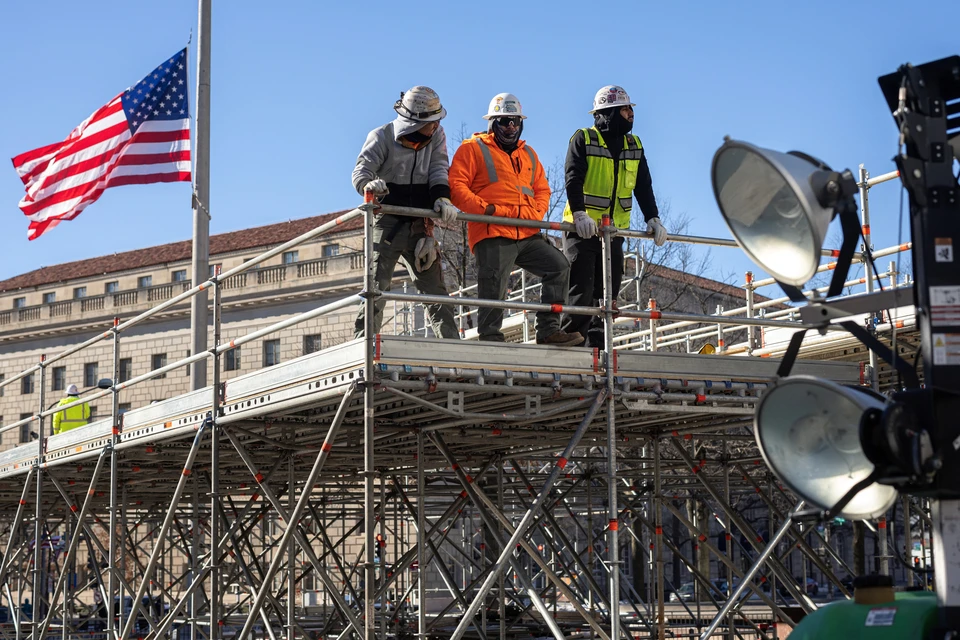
[{"x": 141, "y": 136}]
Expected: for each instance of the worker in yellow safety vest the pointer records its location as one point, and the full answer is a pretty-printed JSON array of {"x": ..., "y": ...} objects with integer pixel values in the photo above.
[
  {"x": 71, "y": 418},
  {"x": 606, "y": 168}
]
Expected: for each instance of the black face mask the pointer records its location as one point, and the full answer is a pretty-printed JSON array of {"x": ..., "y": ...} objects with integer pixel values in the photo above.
[
  {"x": 610, "y": 121},
  {"x": 506, "y": 141},
  {"x": 417, "y": 137}
]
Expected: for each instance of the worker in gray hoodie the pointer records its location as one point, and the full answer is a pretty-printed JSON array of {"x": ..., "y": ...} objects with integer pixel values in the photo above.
[{"x": 404, "y": 163}]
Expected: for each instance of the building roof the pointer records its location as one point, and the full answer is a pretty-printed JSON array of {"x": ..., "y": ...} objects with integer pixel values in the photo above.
[
  {"x": 257, "y": 237},
  {"x": 266, "y": 236},
  {"x": 706, "y": 284}
]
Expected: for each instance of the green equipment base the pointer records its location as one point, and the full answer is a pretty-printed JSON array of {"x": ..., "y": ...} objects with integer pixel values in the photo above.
[{"x": 910, "y": 616}]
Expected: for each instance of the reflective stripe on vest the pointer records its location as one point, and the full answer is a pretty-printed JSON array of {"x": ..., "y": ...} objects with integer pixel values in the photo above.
[
  {"x": 488, "y": 160},
  {"x": 492, "y": 170},
  {"x": 598, "y": 182},
  {"x": 533, "y": 173}
]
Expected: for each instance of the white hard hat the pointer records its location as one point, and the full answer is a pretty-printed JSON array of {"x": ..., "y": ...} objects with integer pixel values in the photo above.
[
  {"x": 72, "y": 390},
  {"x": 421, "y": 104},
  {"x": 611, "y": 96},
  {"x": 504, "y": 104}
]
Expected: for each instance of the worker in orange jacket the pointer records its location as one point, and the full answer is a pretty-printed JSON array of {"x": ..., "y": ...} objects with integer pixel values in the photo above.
[{"x": 497, "y": 174}]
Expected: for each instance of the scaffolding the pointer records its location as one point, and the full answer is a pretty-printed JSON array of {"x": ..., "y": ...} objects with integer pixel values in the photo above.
[{"x": 402, "y": 486}]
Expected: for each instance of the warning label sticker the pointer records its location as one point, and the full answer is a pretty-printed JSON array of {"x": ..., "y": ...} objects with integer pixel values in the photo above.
[
  {"x": 943, "y": 249},
  {"x": 944, "y": 305},
  {"x": 881, "y": 617},
  {"x": 946, "y": 349}
]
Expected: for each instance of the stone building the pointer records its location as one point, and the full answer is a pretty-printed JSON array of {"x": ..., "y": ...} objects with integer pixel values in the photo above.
[
  {"x": 52, "y": 308},
  {"x": 47, "y": 310}
]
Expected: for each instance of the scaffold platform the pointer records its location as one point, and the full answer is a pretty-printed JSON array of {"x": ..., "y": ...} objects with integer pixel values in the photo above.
[{"x": 508, "y": 399}]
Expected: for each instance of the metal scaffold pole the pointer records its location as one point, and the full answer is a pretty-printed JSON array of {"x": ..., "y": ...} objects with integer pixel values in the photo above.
[
  {"x": 864, "y": 186},
  {"x": 421, "y": 542},
  {"x": 216, "y": 603},
  {"x": 658, "y": 539},
  {"x": 369, "y": 415},
  {"x": 37, "y": 577},
  {"x": 613, "y": 538}
]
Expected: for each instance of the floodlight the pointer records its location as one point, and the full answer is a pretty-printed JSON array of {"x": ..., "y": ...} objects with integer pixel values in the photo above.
[
  {"x": 808, "y": 430},
  {"x": 778, "y": 206}
]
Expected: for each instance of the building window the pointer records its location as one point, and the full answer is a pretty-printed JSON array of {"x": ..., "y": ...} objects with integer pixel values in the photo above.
[
  {"x": 213, "y": 269},
  {"x": 19, "y": 303},
  {"x": 25, "y": 428},
  {"x": 111, "y": 287},
  {"x": 311, "y": 344},
  {"x": 144, "y": 282},
  {"x": 50, "y": 297},
  {"x": 289, "y": 257},
  {"x": 231, "y": 360},
  {"x": 157, "y": 361},
  {"x": 90, "y": 372},
  {"x": 330, "y": 250},
  {"x": 180, "y": 275},
  {"x": 79, "y": 292},
  {"x": 126, "y": 369},
  {"x": 26, "y": 384},
  {"x": 123, "y": 408},
  {"x": 271, "y": 352},
  {"x": 59, "y": 381},
  {"x": 2, "y": 376}
]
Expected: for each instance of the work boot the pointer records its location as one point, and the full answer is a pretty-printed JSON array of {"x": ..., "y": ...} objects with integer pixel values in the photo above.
[
  {"x": 595, "y": 340},
  {"x": 562, "y": 339}
]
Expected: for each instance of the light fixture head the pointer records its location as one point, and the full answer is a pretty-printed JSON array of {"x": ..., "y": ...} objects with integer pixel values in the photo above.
[
  {"x": 808, "y": 430},
  {"x": 773, "y": 211}
]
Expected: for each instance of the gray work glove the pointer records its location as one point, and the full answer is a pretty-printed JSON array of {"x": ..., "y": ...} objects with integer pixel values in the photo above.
[
  {"x": 659, "y": 231},
  {"x": 377, "y": 186},
  {"x": 586, "y": 226},
  {"x": 425, "y": 253},
  {"x": 448, "y": 212}
]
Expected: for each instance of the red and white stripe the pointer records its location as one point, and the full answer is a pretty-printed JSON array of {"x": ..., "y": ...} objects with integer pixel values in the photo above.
[{"x": 62, "y": 179}]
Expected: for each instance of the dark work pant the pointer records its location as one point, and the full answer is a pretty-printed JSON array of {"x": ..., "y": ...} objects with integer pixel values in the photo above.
[
  {"x": 393, "y": 240},
  {"x": 586, "y": 282},
  {"x": 495, "y": 260}
]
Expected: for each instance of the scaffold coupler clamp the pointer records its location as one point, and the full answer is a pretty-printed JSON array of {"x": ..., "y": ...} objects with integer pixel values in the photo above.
[
  {"x": 369, "y": 198},
  {"x": 614, "y": 307}
]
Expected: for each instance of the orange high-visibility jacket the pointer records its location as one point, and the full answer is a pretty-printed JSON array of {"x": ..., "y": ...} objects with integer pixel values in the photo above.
[{"x": 481, "y": 174}]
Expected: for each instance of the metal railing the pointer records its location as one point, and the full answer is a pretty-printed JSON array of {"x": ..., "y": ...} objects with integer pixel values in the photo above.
[
  {"x": 118, "y": 328},
  {"x": 270, "y": 275},
  {"x": 606, "y": 309},
  {"x": 655, "y": 334}
]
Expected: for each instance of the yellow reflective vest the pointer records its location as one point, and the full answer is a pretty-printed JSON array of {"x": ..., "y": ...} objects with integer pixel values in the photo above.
[
  {"x": 70, "y": 418},
  {"x": 600, "y": 194}
]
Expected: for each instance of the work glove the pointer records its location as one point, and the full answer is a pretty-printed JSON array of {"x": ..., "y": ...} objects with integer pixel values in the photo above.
[
  {"x": 448, "y": 212},
  {"x": 659, "y": 231},
  {"x": 378, "y": 187},
  {"x": 425, "y": 253},
  {"x": 586, "y": 226}
]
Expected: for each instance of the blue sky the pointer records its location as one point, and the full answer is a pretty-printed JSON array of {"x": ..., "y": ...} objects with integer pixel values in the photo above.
[{"x": 297, "y": 85}]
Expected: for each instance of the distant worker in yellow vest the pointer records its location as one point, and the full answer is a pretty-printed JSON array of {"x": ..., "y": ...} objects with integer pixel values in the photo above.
[
  {"x": 71, "y": 418},
  {"x": 605, "y": 169}
]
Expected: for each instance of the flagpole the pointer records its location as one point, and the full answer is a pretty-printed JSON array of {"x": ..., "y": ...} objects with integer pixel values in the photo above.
[{"x": 201, "y": 200}]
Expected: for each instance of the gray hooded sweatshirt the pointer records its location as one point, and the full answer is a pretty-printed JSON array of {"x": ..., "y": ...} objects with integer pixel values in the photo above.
[{"x": 416, "y": 177}]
